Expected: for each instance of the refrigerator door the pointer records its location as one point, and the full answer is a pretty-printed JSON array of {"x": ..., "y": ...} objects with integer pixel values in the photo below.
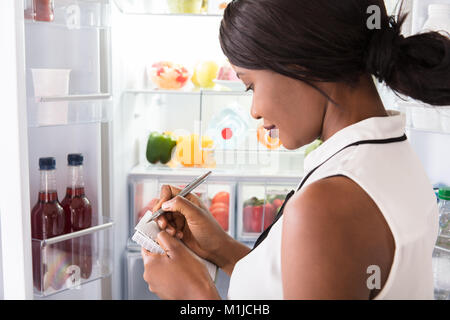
[
  {"x": 14, "y": 185},
  {"x": 57, "y": 83}
]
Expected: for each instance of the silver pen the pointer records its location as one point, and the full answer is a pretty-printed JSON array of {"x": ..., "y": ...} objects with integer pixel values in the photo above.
[{"x": 191, "y": 186}]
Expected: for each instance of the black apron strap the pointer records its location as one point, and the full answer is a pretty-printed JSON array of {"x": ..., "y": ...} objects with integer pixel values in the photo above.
[{"x": 291, "y": 193}]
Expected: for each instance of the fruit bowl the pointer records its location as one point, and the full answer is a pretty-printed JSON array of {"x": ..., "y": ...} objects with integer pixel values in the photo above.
[{"x": 168, "y": 75}]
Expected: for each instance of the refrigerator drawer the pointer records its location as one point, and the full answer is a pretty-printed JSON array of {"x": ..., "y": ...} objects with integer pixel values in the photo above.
[
  {"x": 218, "y": 197},
  {"x": 257, "y": 206},
  {"x": 71, "y": 260},
  {"x": 137, "y": 289}
]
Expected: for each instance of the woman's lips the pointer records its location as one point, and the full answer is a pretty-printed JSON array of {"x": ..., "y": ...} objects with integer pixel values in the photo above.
[
  {"x": 273, "y": 131},
  {"x": 270, "y": 127}
]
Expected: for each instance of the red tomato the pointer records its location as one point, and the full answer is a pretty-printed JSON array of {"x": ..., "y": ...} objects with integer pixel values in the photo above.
[
  {"x": 269, "y": 214},
  {"x": 221, "y": 215},
  {"x": 218, "y": 205},
  {"x": 257, "y": 215},
  {"x": 152, "y": 203},
  {"x": 247, "y": 217},
  {"x": 221, "y": 196},
  {"x": 277, "y": 203},
  {"x": 149, "y": 206}
]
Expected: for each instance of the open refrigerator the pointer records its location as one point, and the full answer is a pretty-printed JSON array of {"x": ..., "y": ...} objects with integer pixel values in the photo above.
[{"x": 107, "y": 49}]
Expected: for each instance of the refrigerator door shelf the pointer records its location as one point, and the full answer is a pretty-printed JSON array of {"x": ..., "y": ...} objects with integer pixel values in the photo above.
[
  {"x": 65, "y": 110},
  {"x": 71, "y": 260},
  {"x": 70, "y": 14},
  {"x": 84, "y": 51}
]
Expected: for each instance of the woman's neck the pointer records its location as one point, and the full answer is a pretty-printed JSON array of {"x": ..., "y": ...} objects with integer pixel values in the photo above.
[{"x": 353, "y": 105}]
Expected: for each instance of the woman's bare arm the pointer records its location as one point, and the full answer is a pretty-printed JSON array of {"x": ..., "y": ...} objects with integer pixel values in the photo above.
[{"x": 332, "y": 232}]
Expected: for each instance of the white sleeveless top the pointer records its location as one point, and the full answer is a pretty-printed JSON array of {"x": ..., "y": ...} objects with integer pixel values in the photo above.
[{"x": 393, "y": 176}]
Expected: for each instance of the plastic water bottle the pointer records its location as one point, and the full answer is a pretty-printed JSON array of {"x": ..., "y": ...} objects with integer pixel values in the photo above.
[
  {"x": 441, "y": 253},
  {"x": 229, "y": 127}
]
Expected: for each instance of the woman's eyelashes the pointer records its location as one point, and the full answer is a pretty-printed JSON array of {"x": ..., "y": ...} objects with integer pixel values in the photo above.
[{"x": 250, "y": 87}]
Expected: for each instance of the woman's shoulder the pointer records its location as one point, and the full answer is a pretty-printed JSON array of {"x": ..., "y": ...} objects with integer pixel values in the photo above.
[
  {"x": 333, "y": 227},
  {"x": 332, "y": 201}
]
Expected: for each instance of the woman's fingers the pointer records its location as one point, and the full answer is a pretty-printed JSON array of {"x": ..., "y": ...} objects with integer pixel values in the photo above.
[
  {"x": 162, "y": 222},
  {"x": 169, "y": 244},
  {"x": 183, "y": 206},
  {"x": 170, "y": 224},
  {"x": 168, "y": 192}
]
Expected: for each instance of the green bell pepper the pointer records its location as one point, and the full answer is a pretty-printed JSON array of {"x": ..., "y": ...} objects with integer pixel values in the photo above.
[{"x": 159, "y": 147}]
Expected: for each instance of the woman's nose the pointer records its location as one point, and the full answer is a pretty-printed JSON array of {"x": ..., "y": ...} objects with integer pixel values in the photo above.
[{"x": 254, "y": 114}]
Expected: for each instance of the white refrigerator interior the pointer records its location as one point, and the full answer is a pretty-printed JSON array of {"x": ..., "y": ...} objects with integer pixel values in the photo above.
[{"x": 101, "y": 103}]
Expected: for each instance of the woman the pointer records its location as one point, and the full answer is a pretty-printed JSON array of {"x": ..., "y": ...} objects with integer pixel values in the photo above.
[{"x": 363, "y": 222}]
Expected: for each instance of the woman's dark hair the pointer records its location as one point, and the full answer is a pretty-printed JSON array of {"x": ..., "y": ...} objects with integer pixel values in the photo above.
[{"x": 330, "y": 41}]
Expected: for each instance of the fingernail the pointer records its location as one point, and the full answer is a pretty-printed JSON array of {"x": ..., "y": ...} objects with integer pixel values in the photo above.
[{"x": 167, "y": 204}]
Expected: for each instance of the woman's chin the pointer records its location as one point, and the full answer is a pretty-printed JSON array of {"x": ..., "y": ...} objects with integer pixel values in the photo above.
[
  {"x": 292, "y": 145},
  {"x": 288, "y": 146}
]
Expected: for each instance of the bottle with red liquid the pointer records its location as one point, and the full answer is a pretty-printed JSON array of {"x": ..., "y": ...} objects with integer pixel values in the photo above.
[
  {"x": 79, "y": 215},
  {"x": 47, "y": 221}
]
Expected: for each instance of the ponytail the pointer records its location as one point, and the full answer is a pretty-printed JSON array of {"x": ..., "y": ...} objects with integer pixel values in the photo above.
[{"x": 417, "y": 66}]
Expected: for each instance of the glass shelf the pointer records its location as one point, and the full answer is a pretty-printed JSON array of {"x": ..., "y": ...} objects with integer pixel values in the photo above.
[
  {"x": 71, "y": 14},
  {"x": 172, "y": 7},
  {"x": 71, "y": 260},
  {"x": 69, "y": 110},
  {"x": 144, "y": 171},
  {"x": 199, "y": 92}
]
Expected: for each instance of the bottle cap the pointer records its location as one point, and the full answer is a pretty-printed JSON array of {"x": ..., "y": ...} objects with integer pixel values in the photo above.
[
  {"x": 47, "y": 163},
  {"x": 444, "y": 193},
  {"x": 75, "y": 159}
]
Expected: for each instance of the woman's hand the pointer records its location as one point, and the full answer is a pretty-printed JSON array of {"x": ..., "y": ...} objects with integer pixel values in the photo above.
[
  {"x": 189, "y": 219},
  {"x": 177, "y": 274}
]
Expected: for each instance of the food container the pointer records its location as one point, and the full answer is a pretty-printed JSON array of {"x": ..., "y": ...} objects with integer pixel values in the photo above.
[
  {"x": 169, "y": 76},
  {"x": 218, "y": 197},
  {"x": 185, "y": 6},
  {"x": 258, "y": 205},
  {"x": 51, "y": 83}
]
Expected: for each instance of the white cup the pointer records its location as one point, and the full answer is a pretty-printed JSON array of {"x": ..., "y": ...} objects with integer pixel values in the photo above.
[{"x": 51, "y": 83}]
